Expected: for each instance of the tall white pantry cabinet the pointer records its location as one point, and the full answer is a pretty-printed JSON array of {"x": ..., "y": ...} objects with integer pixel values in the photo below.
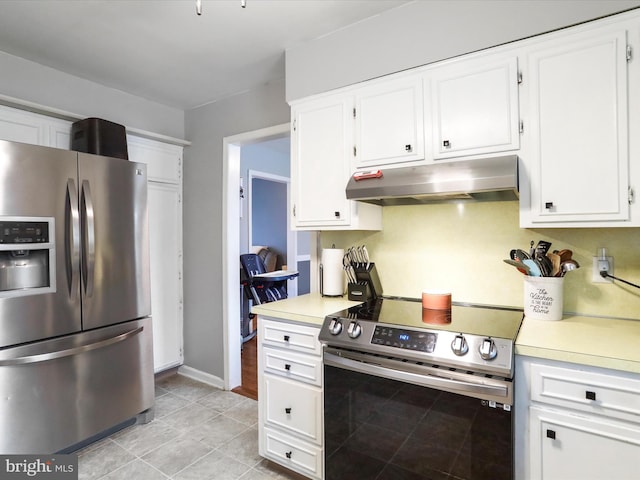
[{"x": 164, "y": 171}]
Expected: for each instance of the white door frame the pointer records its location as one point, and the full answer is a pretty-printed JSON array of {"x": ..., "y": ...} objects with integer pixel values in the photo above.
[
  {"x": 231, "y": 246},
  {"x": 292, "y": 238}
]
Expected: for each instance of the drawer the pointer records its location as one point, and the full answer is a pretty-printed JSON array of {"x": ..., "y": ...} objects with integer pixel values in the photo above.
[
  {"x": 597, "y": 393},
  {"x": 296, "y": 366},
  {"x": 292, "y": 453},
  {"x": 294, "y": 407},
  {"x": 301, "y": 338}
]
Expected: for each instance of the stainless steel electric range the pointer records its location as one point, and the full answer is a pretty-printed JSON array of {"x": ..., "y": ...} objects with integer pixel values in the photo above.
[{"x": 419, "y": 394}]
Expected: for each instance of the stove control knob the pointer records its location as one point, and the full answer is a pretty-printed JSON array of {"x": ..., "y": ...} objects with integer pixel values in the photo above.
[
  {"x": 354, "y": 330},
  {"x": 488, "y": 349},
  {"x": 335, "y": 327},
  {"x": 459, "y": 345}
]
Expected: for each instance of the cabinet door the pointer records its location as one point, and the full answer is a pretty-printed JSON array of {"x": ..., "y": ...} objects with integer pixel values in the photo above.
[
  {"x": 24, "y": 127},
  {"x": 475, "y": 107},
  {"x": 165, "y": 247},
  {"x": 565, "y": 446},
  {"x": 389, "y": 124},
  {"x": 578, "y": 155},
  {"x": 28, "y": 127},
  {"x": 164, "y": 162},
  {"x": 322, "y": 135}
]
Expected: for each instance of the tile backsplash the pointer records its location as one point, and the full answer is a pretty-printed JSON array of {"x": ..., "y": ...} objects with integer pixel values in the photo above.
[{"x": 460, "y": 248}]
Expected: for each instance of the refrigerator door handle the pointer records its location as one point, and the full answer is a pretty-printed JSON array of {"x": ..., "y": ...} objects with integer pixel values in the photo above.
[
  {"x": 43, "y": 357},
  {"x": 73, "y": 238},
  {"x": 89, "y": 237}
]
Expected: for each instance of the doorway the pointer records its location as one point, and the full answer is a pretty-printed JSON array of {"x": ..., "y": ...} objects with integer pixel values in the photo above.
[{"x": 234, "y": 207}]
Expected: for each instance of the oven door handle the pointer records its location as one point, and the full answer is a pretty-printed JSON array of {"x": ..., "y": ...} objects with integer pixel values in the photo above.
[{"x": 422, "y": 379}]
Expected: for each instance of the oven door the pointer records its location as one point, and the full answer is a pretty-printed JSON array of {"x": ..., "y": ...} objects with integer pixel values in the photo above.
[{"x": 388, "y": 419}]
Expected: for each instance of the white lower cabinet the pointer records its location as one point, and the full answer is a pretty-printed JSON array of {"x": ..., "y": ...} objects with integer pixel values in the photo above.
[
  {"x": 576, "y": 422},
  {"x": 290, "y": 396},
  {"x": 566, "y": 446}
]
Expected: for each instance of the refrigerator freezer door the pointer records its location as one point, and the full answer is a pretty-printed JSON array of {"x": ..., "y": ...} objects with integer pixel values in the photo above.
[
  {"x": 57, "y": 393},
  {"x": 40, "y": 182},
  {"x": 115, "y": 282}
]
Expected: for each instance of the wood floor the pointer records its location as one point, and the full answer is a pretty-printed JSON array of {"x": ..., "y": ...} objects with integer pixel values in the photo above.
[{"x": 249, "y": 387}]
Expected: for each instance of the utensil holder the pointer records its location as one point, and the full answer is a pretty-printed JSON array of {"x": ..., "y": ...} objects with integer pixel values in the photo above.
[
  {"x": 367, "y": 273},
  {"x": 543, "y": 297},
  {"x": 359, "y": 291}
]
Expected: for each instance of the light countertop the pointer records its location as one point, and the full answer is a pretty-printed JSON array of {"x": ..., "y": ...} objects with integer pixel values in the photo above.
[
  {"x": 310, "y": 309},
  {"x": 594, "y": 341},
  {"x": 599, "y": 342}
]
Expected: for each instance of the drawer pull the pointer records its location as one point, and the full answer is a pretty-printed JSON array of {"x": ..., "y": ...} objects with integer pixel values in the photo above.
[
  {"x": 590, "y": 395},
  {"x": 287, "y": 367},
  {"x": 287, "y": 410},
  {"x": 286, "y": 338},
  {"x": 551, "y": 434},
  {"x": 288, "y": 454}
]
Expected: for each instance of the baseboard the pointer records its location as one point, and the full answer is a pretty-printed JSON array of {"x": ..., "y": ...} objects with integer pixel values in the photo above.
[{"x": 201, "y": 376}]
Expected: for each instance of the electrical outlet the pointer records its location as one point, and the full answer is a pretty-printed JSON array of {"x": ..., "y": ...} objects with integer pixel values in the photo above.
[{"x": 598, "y": 264}]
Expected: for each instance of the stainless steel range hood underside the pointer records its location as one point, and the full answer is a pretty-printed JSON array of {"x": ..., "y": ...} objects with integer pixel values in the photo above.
[{"x": 488, "y": 179}]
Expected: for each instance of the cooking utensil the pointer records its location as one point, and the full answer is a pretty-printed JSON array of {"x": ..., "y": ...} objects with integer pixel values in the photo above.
[
  {"x": 565, "y": 254},
  {"x": 366, "y": 256},
  {"x": 555, "y": 263},
  {"x": 522, "y": 255},
  {"x": 519, "y": 265},
  {"x": 567, "y": 266},
  {"x": 534, "y": 269},
  {"x": 543, "y": 247}
]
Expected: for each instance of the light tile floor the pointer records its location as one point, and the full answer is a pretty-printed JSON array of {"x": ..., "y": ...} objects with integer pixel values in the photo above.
[{"x": 199, "y": 433}]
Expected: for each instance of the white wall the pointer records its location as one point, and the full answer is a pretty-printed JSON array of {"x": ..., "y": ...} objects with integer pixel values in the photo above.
[
  {"x": 206, "y": 127},
  {"x": 29, "y": 81},
  {"x": 423, "y": 32}
]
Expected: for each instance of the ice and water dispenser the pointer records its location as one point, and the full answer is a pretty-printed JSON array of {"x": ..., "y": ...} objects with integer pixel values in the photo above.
[{"x": 27, "y": 256}]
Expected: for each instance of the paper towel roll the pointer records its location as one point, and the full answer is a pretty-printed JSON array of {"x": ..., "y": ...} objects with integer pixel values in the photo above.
[{"x": 332, "y": 280}]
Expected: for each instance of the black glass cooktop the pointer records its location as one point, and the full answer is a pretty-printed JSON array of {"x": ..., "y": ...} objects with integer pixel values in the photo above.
[{"x": 462, "y": 318}]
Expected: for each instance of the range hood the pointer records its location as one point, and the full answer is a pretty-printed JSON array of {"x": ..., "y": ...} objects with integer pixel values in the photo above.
[{"x": 488, "y": 179}]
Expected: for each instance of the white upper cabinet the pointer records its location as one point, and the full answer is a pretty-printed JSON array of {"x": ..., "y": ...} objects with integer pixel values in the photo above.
[
  {"x": 474, "y": 106},
  {"x": 322, "y": 141},
  {"x": 576, "y": 140},
  {"x": 164, "y": 161},
  {"x": 27, "y": 127},
  {"x": 389, "y": 122}
]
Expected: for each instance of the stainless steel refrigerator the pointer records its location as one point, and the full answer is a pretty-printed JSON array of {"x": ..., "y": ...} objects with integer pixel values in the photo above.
[{"x": 76, "y": 353}]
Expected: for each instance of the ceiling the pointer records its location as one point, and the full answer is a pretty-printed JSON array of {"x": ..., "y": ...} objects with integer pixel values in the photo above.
[{"x": 163, "y": 51}]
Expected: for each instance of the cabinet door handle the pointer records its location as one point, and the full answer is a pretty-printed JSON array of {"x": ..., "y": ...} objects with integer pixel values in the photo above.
[
  {"x": 286, "y": 338},
  {"x": 590, "y": 395},
  {"x": 548, "y": 205},
  {"x": 337, "y": 214},
  {"x": 408, "y": 148},
  {"x": 551, "y": 434},
  {"x": 288, "y": 454},
  {"x": 287, "y": 367},
  {"x": 287, "y": 410},
  {"x": 446, "y": 144}
]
